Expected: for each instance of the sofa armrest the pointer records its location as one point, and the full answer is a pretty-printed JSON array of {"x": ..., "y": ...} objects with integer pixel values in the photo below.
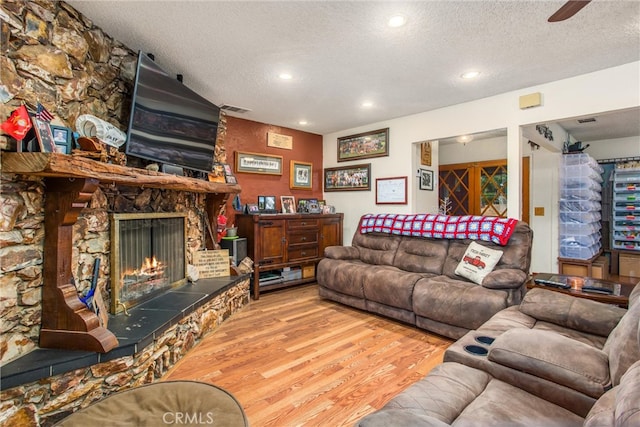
[
  {"x": 570, "y": 312},
  {"x": 341, "y": 252},
  {"x": 506, "y": 278},
  {"x": 553, "y": 357}
]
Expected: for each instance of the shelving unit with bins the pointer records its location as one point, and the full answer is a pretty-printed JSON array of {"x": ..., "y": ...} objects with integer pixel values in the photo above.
[
  {"x": 625, "y": 234},
  {"x": 580, "y": 209}
]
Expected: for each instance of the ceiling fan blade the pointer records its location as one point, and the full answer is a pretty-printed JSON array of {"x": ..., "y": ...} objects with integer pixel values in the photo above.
[{"x": 569, "y": 9}]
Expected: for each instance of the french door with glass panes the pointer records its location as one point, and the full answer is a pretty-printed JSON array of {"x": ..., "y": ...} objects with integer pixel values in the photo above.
[{"x": 480, "y": 188}]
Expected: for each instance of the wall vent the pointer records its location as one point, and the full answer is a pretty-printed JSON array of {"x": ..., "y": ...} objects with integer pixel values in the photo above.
[
  {"x": 234, "y": 109},
  {"x": 589, "y": 120}
]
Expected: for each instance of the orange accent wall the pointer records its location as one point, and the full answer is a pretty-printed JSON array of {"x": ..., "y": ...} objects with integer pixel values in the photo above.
[{"x": 249, "y": 136}]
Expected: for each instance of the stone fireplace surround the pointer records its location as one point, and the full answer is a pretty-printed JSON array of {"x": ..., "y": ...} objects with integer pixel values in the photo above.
[{"x": 45, "y": 385}]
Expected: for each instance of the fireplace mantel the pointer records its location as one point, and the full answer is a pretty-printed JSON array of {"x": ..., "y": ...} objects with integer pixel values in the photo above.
[
  {"x": 70, "y": 182},
  {"x": 66, "y": 166}
]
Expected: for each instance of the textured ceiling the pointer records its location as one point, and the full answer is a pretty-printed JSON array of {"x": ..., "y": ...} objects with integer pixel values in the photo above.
[{"x": 342, "y": 53}]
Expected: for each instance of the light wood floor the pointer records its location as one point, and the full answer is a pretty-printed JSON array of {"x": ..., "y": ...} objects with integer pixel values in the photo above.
[{"x": 294, "y": 359}]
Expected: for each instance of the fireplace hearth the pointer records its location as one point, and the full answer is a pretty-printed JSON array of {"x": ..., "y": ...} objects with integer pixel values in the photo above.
[{"x": 148, "y": 257}]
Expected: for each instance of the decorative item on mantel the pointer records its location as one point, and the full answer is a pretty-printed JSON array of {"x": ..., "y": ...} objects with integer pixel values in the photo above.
[{"x": 99, "y": 140}]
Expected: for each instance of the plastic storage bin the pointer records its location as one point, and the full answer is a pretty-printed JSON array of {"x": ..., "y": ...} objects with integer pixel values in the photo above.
[{"x": 580, "y": 210}]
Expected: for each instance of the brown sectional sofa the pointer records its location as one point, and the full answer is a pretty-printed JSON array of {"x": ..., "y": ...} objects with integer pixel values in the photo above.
[
  {"x": 555, "y": 360},
  {"x": 413, "y": 279}
]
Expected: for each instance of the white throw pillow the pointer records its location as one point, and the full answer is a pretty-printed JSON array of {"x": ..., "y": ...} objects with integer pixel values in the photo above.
[{"x": 477, "y": 262}]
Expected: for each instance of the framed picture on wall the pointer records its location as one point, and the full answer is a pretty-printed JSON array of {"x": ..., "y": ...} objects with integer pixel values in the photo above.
[
  {"x": 364, "y": 145},
  {"x": 426, "y": 179},
  {"x": 349, "y": 178},
  {"x": 300, "y": 178},
  {"x": 391, "y": 191}
]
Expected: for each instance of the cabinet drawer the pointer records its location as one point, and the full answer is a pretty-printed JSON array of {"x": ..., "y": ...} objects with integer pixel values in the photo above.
[
  {"x": 310, "y": 236},
  {"x": 302, "y": 223},
  {"x": 297, "y": 254}
]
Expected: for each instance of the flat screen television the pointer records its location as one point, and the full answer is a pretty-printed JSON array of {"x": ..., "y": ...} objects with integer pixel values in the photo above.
[{"x": 170, "y": 123}]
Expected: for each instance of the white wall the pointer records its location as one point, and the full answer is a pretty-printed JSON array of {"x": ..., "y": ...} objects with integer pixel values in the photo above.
[
  {"x": 612, "y": 148},
  {"x": 606, "y": 90}
]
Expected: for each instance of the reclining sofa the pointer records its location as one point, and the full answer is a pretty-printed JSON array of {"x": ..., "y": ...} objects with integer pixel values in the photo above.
[
  {"x": 414, "y": 279},
  {"x": 553, "y": 360}
]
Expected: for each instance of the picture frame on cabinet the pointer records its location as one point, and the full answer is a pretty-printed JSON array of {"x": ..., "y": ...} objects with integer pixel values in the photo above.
[
  {"x": 348, "y": 178},
  {"x": 288, "y": 204},
  {"x": 252, "y": 208},
  {"x": 364, "y": 145},
  {"x": 300, "y": 175}
]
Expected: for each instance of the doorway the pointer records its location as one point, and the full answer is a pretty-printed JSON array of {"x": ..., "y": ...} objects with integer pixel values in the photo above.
[{"x": 480, "y": 188}]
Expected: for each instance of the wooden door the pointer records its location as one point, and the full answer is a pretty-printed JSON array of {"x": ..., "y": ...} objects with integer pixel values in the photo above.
[
  {"x": 480, "y": 188},
  {"x": 271, "y": 242}
]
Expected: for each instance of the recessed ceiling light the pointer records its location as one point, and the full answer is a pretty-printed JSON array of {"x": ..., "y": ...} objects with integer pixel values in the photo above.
[
  {"x": 367, "y": 104},
  {"x": 285, "y": 76},
  {"x": 463, "y": 139},
  {"x": 470, "y": 74},
  {"x": 302, "y": 122},
  {"x": 397, "y": 21}
]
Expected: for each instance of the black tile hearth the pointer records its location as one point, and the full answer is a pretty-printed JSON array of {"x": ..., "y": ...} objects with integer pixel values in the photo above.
[{"x": 146, "y": 322}]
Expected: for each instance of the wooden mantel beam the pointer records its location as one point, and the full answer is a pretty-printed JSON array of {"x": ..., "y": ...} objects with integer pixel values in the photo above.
[{"x": 65, "y": 166}]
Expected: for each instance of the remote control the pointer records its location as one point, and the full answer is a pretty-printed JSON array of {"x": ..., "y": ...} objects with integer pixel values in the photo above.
[
  {"x": 597, "y": 290},
  {"x": 552, "y": 283}
]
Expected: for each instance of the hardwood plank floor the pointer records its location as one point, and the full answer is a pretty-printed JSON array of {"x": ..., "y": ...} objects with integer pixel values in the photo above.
[{"x": 294, "y": 359}]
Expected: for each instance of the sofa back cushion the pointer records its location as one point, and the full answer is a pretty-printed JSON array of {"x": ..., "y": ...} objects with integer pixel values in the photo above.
[
  {"x": 376, "y": 248},
  {"x": 515, "y": 255},
  {"x": 622, "y": 344},
  {"x": 421, "y": 255}
]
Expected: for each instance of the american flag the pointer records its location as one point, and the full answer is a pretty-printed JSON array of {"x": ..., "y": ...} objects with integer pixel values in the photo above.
[{"x": 43, "y": 114}]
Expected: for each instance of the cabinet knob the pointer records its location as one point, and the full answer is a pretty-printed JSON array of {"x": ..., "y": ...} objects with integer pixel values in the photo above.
[{"x": 304, "y": 239}]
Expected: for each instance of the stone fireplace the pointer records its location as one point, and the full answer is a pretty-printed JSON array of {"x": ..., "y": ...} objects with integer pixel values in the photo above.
[{"x": 148, "y": 256}]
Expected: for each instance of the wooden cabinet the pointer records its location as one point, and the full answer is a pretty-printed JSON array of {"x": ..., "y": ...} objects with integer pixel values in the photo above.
[{"x": 279, "y": 241}]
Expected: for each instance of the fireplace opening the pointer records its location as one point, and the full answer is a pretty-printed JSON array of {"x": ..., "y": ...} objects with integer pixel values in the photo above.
[{"x": 148, "y": 256}]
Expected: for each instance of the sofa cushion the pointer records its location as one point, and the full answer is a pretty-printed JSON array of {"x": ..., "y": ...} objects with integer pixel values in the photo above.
[
  {"x": 457, "y": 395},
  {"x": 477, "y": 262},
  {"x": 421, "y": 255},
  {"x": 456, "y": 302},
  {"x": 622, "y": 344},
  {"x": 390, "y": 286},
  {"x": 376, "y": 248},
  {"x": 620, "y": 406},
  {"x": 555, "y": 358},
  {"x": 342, "y": 276},
  {"x": 570, "y": 312}
]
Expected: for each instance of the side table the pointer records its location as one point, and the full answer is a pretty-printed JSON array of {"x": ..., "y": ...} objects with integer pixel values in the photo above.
[{"x": 619, "y": 292}]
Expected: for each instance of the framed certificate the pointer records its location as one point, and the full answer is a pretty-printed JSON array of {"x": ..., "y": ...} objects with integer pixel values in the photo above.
[{"x": 391, "y": 191}]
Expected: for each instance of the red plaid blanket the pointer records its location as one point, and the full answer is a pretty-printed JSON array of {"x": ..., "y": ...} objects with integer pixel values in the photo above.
[{"x": 488, "y": 228}]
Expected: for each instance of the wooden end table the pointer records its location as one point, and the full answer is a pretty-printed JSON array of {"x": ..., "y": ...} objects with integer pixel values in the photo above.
[{"x": 619, "y": 291}]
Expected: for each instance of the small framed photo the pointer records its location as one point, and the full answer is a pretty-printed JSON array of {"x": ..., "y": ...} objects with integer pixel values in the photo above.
[
  {"x": 267, "y": 204},
  {"x": 426, "y": 179},
  {"x": 288, "y": 204},
  {"x": 62, "y": 139},
  {"x": 252, "y": 208},
  {"x": 44, "y": 135},
  {"x": 300, "y": 175}
]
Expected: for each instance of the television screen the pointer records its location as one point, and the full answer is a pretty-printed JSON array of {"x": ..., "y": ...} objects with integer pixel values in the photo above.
[{"x": 170, "y": 123}]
